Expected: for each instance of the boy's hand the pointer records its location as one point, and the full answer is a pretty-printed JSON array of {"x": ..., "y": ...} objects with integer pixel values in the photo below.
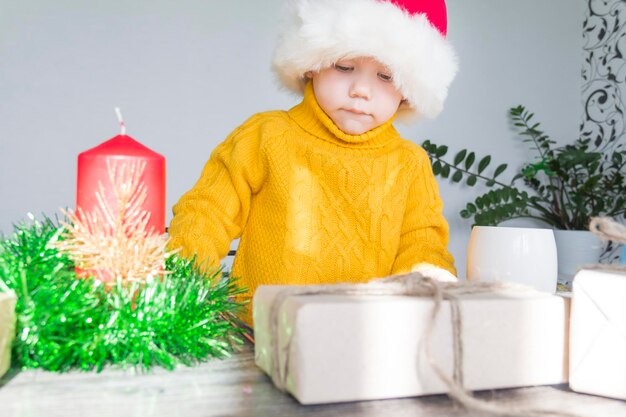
[{"x": 434, "y": 272}]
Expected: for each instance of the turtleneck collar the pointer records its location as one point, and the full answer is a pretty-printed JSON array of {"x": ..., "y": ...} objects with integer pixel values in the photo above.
[{"x": 310, "y": 116}]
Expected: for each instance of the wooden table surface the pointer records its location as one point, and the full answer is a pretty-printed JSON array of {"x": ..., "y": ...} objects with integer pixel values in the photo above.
[{"x": 236, "y": 387}]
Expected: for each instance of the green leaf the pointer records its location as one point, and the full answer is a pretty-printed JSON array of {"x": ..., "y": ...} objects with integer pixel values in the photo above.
[
  {"x": 484, "y": 163},
  {"x": 499, "y": 195},
  {"x": 516, "y": 111},
  {"x": 458, "y": 176},
  {"x": 471, "y": 180},
  {"x": 437, "y": 168},
  {"x": 459, "y": 157},
  {"x": 506, "y": 194},
  {"x": 429, "y": 147},
  {"x": 499, "y": 170},
  {"x": 441, "y": 151},
  {"x": 470, "y": 160},
  {"x": 445, "y": 171}
]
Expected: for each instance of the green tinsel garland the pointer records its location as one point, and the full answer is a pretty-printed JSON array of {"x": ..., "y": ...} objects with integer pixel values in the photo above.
[{"x": 67, "y": 323}]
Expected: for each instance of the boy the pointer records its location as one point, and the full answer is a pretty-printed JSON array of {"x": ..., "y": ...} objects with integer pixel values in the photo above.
[{"x": 328, "y": 191}]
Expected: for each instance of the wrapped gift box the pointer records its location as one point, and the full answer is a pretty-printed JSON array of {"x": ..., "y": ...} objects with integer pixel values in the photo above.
[
  {"x": 598, "y": 334},
  {"x": 349, "y": 348},
  {"x": 7, "y": 329}
]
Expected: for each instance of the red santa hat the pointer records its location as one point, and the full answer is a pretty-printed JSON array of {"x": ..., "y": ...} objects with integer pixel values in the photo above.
[{"x": 408, "y": 36}]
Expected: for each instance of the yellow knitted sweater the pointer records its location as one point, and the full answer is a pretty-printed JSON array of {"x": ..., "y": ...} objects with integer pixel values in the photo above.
[{"x": 312, "y": 204}]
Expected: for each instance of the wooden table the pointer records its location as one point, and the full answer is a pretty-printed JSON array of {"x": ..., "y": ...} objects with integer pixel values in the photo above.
[{"x": 236, "y": 387}]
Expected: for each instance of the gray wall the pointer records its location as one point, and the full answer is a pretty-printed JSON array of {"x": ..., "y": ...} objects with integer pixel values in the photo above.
[{"x": 186, "y": 73}]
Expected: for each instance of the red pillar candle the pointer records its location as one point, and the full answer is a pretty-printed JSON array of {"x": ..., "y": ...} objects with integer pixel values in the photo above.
[{"x": 92, "y": 169}]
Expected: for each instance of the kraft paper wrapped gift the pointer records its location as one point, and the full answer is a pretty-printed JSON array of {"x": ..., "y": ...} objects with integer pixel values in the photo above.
[
  {"x": 7, "y": 329},
  {"x": 339, "y": 348},
  {"x": 598, "y": 333}
]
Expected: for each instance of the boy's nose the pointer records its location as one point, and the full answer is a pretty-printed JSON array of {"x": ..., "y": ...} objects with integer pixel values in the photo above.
[{"x": 360, "y": 89}]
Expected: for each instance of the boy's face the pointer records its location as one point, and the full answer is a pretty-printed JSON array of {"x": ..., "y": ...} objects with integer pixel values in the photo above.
[{"x": 358, "y": 94}]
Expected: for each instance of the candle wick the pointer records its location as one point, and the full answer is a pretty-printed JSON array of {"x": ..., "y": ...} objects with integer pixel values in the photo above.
[{"x": 121, "y": 120}]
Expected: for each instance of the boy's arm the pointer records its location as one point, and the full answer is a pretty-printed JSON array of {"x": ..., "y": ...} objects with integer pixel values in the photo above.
[
  {"x": 213, "y": 213},
  {"x": 425, "y": 233}
]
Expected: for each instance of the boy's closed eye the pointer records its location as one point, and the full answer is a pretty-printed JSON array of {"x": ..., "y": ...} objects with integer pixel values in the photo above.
[
  {"x": 343, "y": 68},
  {"x": 346, "y": 67},
  {"x": 385, "y": 77}
]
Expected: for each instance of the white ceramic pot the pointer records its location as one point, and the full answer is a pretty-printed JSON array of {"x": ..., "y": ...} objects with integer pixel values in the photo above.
[
  {"x": 576, "y": 248},
  {"x": 514, "y": 254}
]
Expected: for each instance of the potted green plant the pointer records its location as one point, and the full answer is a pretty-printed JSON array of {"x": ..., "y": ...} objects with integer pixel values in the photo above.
[{"x": 563, "y": 186}]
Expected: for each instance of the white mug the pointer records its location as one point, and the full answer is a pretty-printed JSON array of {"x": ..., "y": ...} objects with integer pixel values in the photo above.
[{"x": 513, "y": 254}]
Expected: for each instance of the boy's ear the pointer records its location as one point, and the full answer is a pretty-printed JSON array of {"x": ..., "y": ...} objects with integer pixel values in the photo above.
[{"x": 309, "y": 75}]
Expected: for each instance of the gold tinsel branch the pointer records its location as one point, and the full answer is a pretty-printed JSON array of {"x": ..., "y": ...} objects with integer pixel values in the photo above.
[{"x": 111, "y": 242}]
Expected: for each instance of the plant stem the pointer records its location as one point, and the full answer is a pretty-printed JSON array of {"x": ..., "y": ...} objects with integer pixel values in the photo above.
[{"x": 467, "y": 172}]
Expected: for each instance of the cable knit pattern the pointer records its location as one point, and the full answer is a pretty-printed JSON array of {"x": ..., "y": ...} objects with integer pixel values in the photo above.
[{"x": 313, "y": 205}]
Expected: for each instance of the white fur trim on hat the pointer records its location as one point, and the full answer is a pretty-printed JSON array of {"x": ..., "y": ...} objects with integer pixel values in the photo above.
[{"x": 317, "y": 33}]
